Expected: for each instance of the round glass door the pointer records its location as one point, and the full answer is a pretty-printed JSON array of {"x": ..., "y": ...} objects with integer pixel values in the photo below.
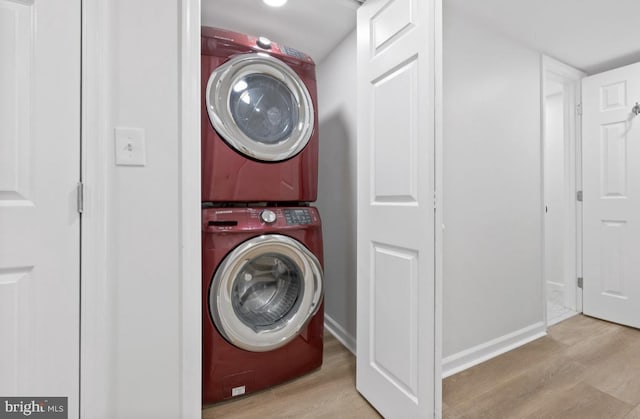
[
  {"x": 264, "y": 292},
  {"x": 260, "y": 107},
  {"x": 267, "y": 291},
  {"x": 263, "y": 108}
]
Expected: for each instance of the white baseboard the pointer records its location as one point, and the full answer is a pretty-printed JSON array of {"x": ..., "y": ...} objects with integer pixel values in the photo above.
[
  {"x": 561, "y": 318},
  {"x": 340, "y": 334},
  {"x": 473, "y": 356}
]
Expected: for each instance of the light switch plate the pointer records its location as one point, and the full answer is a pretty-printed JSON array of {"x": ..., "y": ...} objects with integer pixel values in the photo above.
[{"x": 130, "y": 147}]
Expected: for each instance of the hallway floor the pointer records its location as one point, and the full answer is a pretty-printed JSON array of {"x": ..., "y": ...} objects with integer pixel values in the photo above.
[{"x": 585, "y": 368}]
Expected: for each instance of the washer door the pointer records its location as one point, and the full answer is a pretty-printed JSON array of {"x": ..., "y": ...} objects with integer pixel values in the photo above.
[
  {"x": 265, "y": 292},
  {"x": 260, "y": 106}
]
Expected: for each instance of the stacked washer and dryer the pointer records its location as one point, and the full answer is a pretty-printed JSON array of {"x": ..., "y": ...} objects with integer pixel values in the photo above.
[{"x": 261, "y": 240}]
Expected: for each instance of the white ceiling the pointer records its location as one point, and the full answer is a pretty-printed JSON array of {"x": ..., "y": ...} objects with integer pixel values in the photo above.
[
  {"x": 311, "y": 26},
  {"x": 592, "y": 35}
]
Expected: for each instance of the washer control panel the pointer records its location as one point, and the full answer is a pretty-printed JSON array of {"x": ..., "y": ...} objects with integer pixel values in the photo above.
[
  {"x": 265, "y": 219},
  {"x": 297, "y": 216}
]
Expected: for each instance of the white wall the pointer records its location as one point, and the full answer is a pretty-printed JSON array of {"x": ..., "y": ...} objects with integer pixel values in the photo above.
[
  {"x": 143, "y": 210},
  {"x": 337, "y": 185},
  {"x": 492, "y": 191}
]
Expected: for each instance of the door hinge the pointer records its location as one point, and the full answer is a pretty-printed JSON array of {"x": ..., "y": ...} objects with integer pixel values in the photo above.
[
  {"x": 579, "y": 109},
  {"x": 80, "y": 191},
  {"x": 580, "y": 281},
  {"x": 579, "y": 196}
]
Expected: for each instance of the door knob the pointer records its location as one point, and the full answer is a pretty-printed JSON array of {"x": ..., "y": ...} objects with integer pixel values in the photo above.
[{"x": 636, "y": 109}]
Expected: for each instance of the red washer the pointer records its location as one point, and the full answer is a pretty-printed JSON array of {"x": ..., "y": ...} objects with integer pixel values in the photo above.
[
  {"x": 262, "y": 298},
  {"x": 259, "y": 120}
]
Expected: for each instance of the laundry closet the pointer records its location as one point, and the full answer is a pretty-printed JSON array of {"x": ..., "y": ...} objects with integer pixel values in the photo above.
[
  {"x": 264, "y": 165},
  {"x": 339, "y": 157},
  {"x": 330, "y": 28}
]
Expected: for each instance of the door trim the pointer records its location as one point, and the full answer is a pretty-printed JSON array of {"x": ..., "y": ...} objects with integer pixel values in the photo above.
[
  {"x": 95, "y": 294},
  {"x": 551, "y": 67},
  {"x": 96, "y": 328},
  {"x": 190, "y": 229},
  {"x": 438, "y": 124}
]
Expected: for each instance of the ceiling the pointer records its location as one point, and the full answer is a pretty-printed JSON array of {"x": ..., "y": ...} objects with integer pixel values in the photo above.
[
  {"x": 311, "y": 26},
  {"x": 592, "y": 35}
]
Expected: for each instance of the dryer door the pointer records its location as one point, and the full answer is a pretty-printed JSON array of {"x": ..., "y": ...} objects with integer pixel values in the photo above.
[
  {"x": 261, "y": 107},
  {"x": 265, "y": 292}
]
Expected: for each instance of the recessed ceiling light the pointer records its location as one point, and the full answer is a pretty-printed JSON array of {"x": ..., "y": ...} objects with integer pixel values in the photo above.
[{"x": 275, "y": 3}]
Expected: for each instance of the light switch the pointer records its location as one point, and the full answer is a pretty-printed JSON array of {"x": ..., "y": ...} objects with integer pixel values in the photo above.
[{"x": 130, "y": 147}]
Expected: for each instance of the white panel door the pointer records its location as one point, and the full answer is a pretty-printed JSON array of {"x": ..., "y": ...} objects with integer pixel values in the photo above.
[
  {"x": 39, "y": 223},
  {"x": 396, "y": 317},
  {"x": 611, "y": 207}
]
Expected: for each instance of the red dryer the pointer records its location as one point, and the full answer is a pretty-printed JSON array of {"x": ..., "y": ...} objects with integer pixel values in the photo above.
[
  {"x": 262, "y": 298},
  {"x": 259, "y": 120}
]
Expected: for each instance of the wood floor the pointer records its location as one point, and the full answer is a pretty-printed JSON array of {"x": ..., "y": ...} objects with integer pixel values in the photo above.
[
  {"x": 329, "y": 392},
  {"x": 585, "y": 368}
]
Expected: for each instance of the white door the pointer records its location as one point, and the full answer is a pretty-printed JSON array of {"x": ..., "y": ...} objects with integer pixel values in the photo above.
[
  {"x": 39, "y": 223},
  {"x": 611, "y": 207},
  {"x": 396, "y": 356}
]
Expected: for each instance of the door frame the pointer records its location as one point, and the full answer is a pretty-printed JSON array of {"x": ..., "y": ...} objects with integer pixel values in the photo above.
[
  {"x": 96, "y": 295},
  {"x": 190, "y": 214},
  {"x": 439, "y": 227},
  {"x": 571, "y": 77}
]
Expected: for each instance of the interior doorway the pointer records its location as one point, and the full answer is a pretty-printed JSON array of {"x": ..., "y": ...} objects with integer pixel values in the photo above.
[{"x": 561, "y": 120}]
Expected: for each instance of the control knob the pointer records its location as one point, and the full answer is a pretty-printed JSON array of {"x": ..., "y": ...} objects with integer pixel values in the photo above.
[
  {"x": 268, "y": 216},
  {"x": 264, "y": 43}
]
